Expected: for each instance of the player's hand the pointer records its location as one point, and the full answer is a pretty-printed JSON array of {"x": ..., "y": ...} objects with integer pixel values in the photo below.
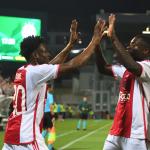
[
  {"x": 98, "y": 31},
  {"x": 73, "y": 32},
  {"x": 111, "y": 30}
]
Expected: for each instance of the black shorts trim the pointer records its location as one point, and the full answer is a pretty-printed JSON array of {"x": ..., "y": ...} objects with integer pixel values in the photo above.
[{"x": 47, "y": 122}]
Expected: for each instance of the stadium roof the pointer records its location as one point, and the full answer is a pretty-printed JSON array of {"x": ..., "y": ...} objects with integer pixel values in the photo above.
[{"x": 78, "y": 7}]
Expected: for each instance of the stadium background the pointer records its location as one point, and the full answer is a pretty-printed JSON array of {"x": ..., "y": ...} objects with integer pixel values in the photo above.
[{"x": 132, "y": 17}]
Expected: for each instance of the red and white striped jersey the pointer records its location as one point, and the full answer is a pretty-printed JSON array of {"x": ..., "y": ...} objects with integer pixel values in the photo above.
[
  {"x": 132, "y": 112},
  {"x": 28, "y": 102}
]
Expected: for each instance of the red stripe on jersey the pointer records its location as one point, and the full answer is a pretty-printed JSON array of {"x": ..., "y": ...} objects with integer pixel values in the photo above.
[
  {"x": 41, "y": 123},
  {"x": 12, "y": 134},
  {"x": 37, "y": 146},
  {"x": 36, "y": 105},
  {"x": 123, "y": 117},
  {"x": 19, "y": 100},
  {"x": 143, "y": 107},
  {"x": 34, "y": 146}
]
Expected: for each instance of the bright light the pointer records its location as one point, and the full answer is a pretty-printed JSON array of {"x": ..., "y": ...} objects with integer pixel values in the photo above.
[
  {"x": 147, "y": 31},
  {"x": 75, "y": 51},
  {"x": 28, "y": 29}
]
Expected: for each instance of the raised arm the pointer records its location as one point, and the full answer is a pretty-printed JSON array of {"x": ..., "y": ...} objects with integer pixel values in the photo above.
[
  {"x": 123, "y": 55},
  {"x": 88, "y": 51},
  {"x": 61, "y": 57},
  {"x": 102, "y": 65}
]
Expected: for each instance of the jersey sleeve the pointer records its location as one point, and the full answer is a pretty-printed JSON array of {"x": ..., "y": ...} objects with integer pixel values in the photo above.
[
  {"x": 145, "y": 75},
  {"x": 118, "y": 71},
  {"x": 43, "y": 73}
]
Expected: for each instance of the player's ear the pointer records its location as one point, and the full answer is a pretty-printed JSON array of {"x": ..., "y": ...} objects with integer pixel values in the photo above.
[{"x": 35, "y": 55}]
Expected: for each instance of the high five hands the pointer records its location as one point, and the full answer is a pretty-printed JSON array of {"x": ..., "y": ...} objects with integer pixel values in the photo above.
[
  {"x": 109, "y": 31},
  {"x": 98, "y": 31},
  {"x": 73, "y": 32}
]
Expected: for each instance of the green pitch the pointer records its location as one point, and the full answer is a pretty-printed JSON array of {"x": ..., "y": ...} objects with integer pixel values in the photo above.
[{"x": 68, "y": 138}]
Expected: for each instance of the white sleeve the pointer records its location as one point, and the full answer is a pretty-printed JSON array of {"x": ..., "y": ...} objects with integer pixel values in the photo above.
[
  {"x": 145, "y": 75},
  {"x": 43, "y": 73},
  {"x": 118, "y": 71}
]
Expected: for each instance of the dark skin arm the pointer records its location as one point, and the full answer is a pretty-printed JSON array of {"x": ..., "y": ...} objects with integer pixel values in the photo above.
[
  {"x": 102, "y": 65},
  {"x": 82, "y": 58},
  {"x": 123, "y": 55},
  {"x": 61, "y": 57}
]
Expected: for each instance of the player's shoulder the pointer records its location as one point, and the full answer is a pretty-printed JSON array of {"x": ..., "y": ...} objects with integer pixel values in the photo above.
[
  {"x": 39, "y": 67},
  {"x": 145, "y": 62},
  {"x": 42, "y": 66}
]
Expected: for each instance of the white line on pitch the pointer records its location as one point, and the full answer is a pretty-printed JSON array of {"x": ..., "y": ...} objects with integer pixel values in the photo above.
[
  {"x": 63, "y": 134},
  {"x": 67, "y": 133},
  {"x": 82, "y": 137}
]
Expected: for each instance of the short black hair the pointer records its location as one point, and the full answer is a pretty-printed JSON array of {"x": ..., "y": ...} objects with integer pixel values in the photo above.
[
  {"x": 145, "y": 39},
  {"x": 29, "y": 44}
]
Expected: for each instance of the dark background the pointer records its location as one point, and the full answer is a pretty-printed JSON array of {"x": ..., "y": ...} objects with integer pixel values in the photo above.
[
  {"x": 56, "y": 16},
  {"x": 60, "y": 12}
]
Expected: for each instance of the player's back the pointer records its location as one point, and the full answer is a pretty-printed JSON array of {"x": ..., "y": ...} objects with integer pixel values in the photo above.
[
  {"x": 28, "y": 105},
  {"x": 28, "y": 102}
]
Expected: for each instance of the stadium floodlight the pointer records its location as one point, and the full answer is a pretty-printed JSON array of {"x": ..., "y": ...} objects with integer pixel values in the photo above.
[
  {"x": 76, "y": 51},
  {"x": 147, "y": 31}
]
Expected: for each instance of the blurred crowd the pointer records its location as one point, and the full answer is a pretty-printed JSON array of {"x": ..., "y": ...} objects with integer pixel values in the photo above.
[
  {"x": 6, "y": 86},
  {"x": 63, "y": 111}
]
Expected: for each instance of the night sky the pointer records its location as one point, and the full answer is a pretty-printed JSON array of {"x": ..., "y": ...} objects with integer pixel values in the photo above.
[{"x": 77, "y": 7}]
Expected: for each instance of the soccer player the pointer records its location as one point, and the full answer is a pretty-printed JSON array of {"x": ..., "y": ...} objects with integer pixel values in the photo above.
[
  {"x": 84, "y": 111},
  {"x": 23, "y": 126},
  {"x": 130, "y": 129}
]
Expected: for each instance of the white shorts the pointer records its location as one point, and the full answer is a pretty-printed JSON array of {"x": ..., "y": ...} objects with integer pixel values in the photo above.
[
  {"x": 39, "y": 144},
  {"x": 120, "y": 143}
]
